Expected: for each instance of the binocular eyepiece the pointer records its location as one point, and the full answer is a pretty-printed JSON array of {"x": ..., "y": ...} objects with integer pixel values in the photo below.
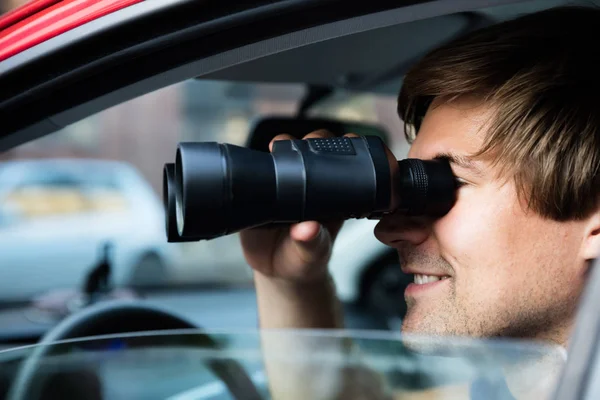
[{"x": 216, "y": 189}]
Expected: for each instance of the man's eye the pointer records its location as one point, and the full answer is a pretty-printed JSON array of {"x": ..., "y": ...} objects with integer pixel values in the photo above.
[{"x": 460, "y": 182}]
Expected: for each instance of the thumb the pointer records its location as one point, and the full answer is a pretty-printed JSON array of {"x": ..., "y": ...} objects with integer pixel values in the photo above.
[{"x": 311, "y": 240}]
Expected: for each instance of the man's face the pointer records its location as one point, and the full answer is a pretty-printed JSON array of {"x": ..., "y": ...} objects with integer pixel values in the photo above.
[{"x": 505, "y": 270}]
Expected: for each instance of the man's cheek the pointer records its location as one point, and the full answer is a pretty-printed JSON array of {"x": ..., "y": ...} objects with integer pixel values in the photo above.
[{"x": 468, "y": 228}]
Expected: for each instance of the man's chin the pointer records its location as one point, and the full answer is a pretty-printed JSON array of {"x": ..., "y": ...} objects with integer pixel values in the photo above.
[
  {"x": 429, "y": 319},
  {"x": 424, "y": 335},
  {"x": 414, "y": 336},
  {"x": 417, "y": 324}
]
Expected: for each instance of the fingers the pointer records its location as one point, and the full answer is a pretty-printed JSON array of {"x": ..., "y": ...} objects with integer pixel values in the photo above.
[
  {"x": 311, "y": 240},
  {"x": 305, "y": 231},
  {"x": 283, "y": 136},
  {"x": 321, "y": 133}
]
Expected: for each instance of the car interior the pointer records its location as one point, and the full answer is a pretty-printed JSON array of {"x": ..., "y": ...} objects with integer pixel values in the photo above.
[{"x": 334, "y": 57}]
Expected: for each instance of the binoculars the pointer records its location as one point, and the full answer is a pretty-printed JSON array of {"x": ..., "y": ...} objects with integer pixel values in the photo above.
[{"x": 216, "y": 189}]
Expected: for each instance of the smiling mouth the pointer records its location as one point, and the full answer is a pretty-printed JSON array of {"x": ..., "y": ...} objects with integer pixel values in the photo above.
[{"x": 420, "y": 279}]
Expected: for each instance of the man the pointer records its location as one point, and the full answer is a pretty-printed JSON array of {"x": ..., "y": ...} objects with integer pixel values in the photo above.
[{"x": 515, "y": 109}]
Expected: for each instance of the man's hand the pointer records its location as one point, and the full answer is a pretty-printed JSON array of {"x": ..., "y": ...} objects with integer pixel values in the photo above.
[
  {"x": 295, "y": 254},
  {"x": 298, "y": 253},
  {"x": 294, "y": 288}
]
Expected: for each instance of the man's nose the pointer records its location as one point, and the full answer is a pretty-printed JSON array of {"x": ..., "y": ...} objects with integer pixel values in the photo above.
[{"x": 396, "y": 228}]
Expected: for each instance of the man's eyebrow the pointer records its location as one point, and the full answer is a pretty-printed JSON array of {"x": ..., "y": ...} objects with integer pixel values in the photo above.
[{"x": 460, "y": 161}]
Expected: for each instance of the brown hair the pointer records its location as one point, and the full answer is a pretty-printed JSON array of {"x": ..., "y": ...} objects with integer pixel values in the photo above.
[{"x": 540, "y": 75}]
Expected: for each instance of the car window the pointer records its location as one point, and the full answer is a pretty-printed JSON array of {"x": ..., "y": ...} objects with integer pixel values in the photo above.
[
  {"x": 384, "y": 368},
  {"x": 100, "y": 180}
]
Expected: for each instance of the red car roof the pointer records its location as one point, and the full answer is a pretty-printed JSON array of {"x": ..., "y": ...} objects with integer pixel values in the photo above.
[{"x": 40, "y": 20}]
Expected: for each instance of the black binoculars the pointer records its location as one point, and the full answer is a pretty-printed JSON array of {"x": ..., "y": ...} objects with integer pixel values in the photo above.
[{"x": 216, "y": 189}]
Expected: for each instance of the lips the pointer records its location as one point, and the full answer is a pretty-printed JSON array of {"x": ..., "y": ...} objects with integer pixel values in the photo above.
[
  {"x": 428, "y": 271},
  {"x": 426, "y": 283},
  {"x": 421, "y": 279},
  {"x": 425, "y": 273}
]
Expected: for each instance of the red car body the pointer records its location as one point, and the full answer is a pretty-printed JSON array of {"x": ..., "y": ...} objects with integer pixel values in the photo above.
[{"x": 40, "y": 20}]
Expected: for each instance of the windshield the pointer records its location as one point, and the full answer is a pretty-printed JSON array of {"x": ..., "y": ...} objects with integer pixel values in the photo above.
[
  {"x": 199, "y": 365},
  {"x": 97, "y": 184}
]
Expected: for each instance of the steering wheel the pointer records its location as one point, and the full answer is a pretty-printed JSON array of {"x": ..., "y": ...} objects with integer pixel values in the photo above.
[{"x": 120, "y": 317}]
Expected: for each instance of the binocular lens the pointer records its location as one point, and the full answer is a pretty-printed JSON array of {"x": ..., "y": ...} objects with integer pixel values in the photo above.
[{"x": 216, "y": 189}]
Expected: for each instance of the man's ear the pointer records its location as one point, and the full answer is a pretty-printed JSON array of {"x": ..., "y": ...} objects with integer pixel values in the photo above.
[{"x": 591, "y": 245}]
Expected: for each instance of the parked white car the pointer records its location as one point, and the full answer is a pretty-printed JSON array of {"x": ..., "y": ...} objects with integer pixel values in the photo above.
[{"x": 56, "y": 215}]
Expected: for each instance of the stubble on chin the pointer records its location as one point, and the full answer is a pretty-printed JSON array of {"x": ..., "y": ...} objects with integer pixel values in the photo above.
[{"x": 434, "y": 317}]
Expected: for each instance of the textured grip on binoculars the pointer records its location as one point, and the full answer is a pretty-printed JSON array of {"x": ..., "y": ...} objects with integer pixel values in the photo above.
[{"x": 337, "y": 146}]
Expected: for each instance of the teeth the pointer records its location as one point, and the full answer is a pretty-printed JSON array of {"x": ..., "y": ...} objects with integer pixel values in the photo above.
[{"x": 422, "y": 279}]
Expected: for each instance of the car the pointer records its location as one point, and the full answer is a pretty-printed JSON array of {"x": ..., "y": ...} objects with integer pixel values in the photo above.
[
  {"x": 57, "y": 214},
  {"x": 129, "y": 80}
]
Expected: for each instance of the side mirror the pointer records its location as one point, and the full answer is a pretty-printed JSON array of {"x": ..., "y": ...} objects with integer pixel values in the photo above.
[{"x": 265, "y": 129}]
